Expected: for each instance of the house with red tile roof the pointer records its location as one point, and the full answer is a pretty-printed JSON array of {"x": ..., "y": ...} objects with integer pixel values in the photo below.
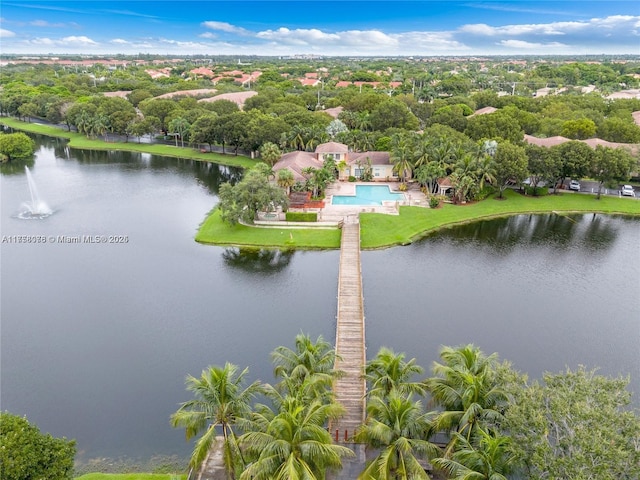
[
  {"x": 309, "y": 82},
  {"x": 202, "y": 72},
  {"x": 356, "y": 162}
]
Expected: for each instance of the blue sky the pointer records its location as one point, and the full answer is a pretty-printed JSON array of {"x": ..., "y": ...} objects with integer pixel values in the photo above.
[{"x": 373, "y": 27}]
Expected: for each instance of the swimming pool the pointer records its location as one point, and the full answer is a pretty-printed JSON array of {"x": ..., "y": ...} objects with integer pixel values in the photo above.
[{"x": 368, "y": 195}]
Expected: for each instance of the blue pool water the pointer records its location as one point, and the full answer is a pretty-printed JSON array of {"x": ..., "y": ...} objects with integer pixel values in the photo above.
[{"x": 368, "y": 195}]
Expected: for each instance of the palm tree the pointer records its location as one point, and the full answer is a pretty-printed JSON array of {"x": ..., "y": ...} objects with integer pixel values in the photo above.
[
  {"x": 310, "y": 360},
  {"x": 292, "y": 443},
  {"x": 296, "y": 137},
  {"x": 270, "y": 153},
  {"x": 181, "y": 127},
  {"x": 362, "y": 121},
  {"x": 443, "y": 153},
  {"x": 485, "y": 169},
  {"x": 464, "y": 184},
  {"x": 429, "y": 174},
  {"x": 491, "y": 459},
  {"x": 221, "y": 401},
  {"x": 401, "y": 156},
  {"x": 286, "y": 179},
  {"x": 315, "y": 135},
  {"x": 397, "y": 426},
  {"x": 83, "y": 122},
  {"x": 388, "y": 371},
  {"x": 467, "y": 389},
  {"x": 423, "y": 152},
  {"x": 98, "y": 125}
]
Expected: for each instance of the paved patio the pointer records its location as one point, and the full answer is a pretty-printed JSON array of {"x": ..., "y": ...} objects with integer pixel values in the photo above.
[{"x": 413, "y": 197}]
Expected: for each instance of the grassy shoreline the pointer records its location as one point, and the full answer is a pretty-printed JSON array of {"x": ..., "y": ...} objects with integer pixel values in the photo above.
[
  {"x": 384, "y": 231},
  {"x": 77, "y": 140},
  {"x": 377, "y": 230}
]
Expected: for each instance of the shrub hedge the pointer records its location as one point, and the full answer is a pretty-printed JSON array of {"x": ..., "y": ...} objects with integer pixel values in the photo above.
[{"x": 301, "y": 217}]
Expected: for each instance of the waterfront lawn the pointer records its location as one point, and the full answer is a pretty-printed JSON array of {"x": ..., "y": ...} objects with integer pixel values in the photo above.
[
  {"x": 130, "y": 476},
  {"x": 77, "y": 140},
  {"x": 378, "y": 231},
  {"x": 214, "y": 231}
]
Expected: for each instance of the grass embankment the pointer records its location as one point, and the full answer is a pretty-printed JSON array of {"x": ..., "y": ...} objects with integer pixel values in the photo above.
[
  {"x": 77, "y": 140},
  {"x": 380, "y": 231},
  {"x": 130, "y": 476},
  {"x": 213, "y": 230}
]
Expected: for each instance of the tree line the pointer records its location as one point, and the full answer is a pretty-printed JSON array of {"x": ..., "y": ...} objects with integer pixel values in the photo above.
[{"x": 496, "y": 424}]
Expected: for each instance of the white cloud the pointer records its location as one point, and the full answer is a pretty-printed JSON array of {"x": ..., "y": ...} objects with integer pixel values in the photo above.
[
  {"x": 72, "y": 42},
  {"x": 78, "y": 41},
  {"x": 429, "y": 41},
  {"x": 621, "y": 23},
  {"x": 298, "y": 36},
  {"x": 613, "y": 34},
  {"x": 44, "y": 23},
  {"x": 225, "y": 27},
  {"x": 522, "y": 45}
]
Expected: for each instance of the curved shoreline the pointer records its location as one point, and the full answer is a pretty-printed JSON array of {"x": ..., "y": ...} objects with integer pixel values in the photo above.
[
  {"x": 79, "y": 141},
  {"x": 378, "y": 231}
]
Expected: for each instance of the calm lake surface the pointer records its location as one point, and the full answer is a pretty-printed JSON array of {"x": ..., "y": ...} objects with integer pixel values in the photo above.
[{"x": 97, "y": 338}]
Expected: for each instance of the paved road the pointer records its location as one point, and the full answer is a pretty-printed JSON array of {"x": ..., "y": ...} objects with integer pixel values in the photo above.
[{"x": 588, "y": 186}]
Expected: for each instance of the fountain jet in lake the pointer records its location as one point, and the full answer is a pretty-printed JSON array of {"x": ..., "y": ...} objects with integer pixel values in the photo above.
[{"x": 36, "y": 208}]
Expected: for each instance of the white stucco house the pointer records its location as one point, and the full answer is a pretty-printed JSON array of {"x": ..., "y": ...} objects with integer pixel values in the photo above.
[{"x": 356, "y": 162}]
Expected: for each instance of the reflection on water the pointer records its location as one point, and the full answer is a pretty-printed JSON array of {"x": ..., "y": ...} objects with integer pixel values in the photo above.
[
  {"x": 16, "y": 166},
  {"x": 146, "y": 313},
  {"x": 264, "y": 261},
  {"x": 208, "y": 174},
  {"x": 560, "y": 230}
]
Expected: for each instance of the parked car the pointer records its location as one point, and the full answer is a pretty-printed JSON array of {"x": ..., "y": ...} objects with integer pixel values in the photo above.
[
  {"x": 574, "y": 185},
  {"x": 627, "y": 191}
]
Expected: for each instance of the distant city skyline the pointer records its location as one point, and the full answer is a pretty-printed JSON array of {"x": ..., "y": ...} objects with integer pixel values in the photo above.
[{"x": 331, "y": 28}]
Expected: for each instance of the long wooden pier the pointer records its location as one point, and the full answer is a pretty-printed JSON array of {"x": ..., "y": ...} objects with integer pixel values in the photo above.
[{"x": 350, "y": 390}]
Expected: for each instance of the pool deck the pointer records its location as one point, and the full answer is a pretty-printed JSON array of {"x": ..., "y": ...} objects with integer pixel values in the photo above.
[{"x": 413, "y": 197}]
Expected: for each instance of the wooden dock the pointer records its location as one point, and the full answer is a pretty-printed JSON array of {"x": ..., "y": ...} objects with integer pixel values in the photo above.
[{"x": 350, "y": 390}]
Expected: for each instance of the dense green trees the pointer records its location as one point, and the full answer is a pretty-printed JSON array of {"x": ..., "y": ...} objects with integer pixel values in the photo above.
[
  {"x": 610, "y": 164},
  {"x": 15, "y": 146},
  {"x": 494, "y": 126},
  {"x": 576, "y": 157},
  {"x": 497, "y": 424},
  {"x": 26, "y": 453},
  {"x": 544, "y": 165},
  {"x": 511, "y": 165},
  {"x": 574, "y": 424},
  {"x": 253, "y": 194}
]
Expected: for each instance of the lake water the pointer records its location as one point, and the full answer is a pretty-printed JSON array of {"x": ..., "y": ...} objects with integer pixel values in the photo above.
[{"x": 97, "y": 337}]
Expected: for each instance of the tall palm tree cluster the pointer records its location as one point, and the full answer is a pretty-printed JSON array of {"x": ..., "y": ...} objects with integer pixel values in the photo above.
[
  {"x": 92, "y": 125},
  {"x": 469, "y": 166},
  {"x": 468, "y": 406},
  {"x": 305, "y": 138},
  {"x": 284, "y": 436}
]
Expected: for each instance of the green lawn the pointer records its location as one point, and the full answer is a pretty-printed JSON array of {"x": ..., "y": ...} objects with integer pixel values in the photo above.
[
  {"x": 130, "y": 476},
  {"x": 215, "y": 231},
  {"x": 77, "y": 140},
  {"x": 379, "y": 230}
]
